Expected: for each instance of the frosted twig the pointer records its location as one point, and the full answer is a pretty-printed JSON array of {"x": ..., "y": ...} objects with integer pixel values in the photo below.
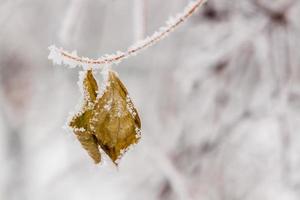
[{"x": 60, "y": 56}]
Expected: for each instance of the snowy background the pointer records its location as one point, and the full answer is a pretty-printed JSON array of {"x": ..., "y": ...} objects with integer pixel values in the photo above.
[{"x": 219, "y": 100}]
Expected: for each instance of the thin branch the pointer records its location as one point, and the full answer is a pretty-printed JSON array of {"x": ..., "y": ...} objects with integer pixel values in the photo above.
[{"x": 60, "y": 56}]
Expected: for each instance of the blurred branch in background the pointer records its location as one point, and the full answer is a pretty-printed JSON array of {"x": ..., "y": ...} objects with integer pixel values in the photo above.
[
  {"x": 139, "y": 19},
  {"x": 15, "y": 94},
  {"x": 70, "y": 21}
]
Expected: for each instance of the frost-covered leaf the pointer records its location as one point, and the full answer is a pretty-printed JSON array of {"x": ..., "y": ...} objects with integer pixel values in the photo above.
[
  {"x": 108, "y": 120},
  {"x": 115, "y": 121},
  {"x": 90, "y": 144},
  {"x": 80, "y": 123}
]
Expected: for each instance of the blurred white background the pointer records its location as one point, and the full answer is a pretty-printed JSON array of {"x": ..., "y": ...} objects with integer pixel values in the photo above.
[{"x": 219, "y": 100}]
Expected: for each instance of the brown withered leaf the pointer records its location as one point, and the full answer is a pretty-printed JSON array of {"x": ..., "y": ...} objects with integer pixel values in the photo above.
[
  {"x": 116, "y": 121},
  {"x": 109, "y": 121},
  {"x": 80, "y": 123}
]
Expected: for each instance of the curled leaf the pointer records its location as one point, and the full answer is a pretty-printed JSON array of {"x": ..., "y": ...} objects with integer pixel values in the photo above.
[
  {"x": 90, "y": 144},
  {"x": 109, "y": 121},
  {"x": 80, "y": 123}
]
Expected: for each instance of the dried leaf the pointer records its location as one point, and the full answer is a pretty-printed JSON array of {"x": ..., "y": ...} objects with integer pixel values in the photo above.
[
  {"x": 110, "y": 121},
  {"x": 90, "y": 144},
  {"x": 116, "y": 121},
  {"x": 81, "y": 121}
]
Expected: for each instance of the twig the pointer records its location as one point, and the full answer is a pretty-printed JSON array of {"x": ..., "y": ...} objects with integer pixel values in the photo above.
[{"x": 60, "y": 56}]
